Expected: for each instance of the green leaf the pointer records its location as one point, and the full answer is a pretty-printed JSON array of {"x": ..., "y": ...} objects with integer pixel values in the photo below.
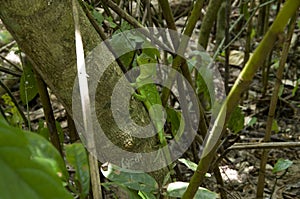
[
  {"x": 236, "y": 121},
  {"x": 282, "y": 164},
  {"x": 14, "y": 117},
  {"x": 77, "y": 158},
  {"x": 246, "y": 11},
  {"x": 275, "y": 126},
  {"x": 111, "y": 22},
  {"x": 23, "y": 175},
  {"x": 128, "y": 178},
  {"x": 28, "y": 87},
  {"x": 98, "y": 17},
  {"x": 46, "y": 154},
  {"x": 281, "y": 88},
  {"x": 173, "y": 117},
  {"x": 5, "y": 37},
  {"x": 189, "y": 164},
  {"x": 203, "y": 92},
  {"x": 296, "y": 87},
  {"x": 252, "y": 121},
  {"x": 177, "y": 189},
  {"x": 145, "y": 195}
]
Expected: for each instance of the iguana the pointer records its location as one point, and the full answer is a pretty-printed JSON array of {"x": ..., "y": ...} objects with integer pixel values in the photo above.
[{"x": 149, "y": 94}]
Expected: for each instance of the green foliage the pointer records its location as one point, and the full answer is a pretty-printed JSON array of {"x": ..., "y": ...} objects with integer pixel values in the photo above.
[
  {"x": 173, "y": 118},
  {"x": 111, "y": 22},
  {"x": 176, "y": 189},
  {"x": 14, "y": 117},
  {"x": 133, "y": 180},
  {"x": 189, "y": 164},
  {"x": 30, "y": 166},
  {"x": 77, "y": 158},
  {"x": 28, "y": 87},
  {"x": 145, "y": 195},
  {"x": 98, "y": 17},
  {"x": 252, "y": 121},
  {"x": 236, "y": 121},
  {"x": 5, "y": 37},
  {"x": 275, "y": 126},
  {"x": 246, "y": 11},
  {"x": 282, "y": 164},
  {"x": 199, "y": 62},
  {"x": 44, "y": 131},
  {"x": 296, "y": 87}
]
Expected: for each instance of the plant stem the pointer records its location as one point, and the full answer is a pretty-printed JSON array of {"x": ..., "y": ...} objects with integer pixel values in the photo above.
[
  {"x": 274, "y": 99},
  {"x": 240, "y": 85}
]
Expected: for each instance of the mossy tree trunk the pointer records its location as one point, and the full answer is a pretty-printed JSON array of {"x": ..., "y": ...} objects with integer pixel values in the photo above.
[{"x": 44, "y": 30}]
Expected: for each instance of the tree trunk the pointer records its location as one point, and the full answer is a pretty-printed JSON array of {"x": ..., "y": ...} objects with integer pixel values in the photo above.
[{"x": 44, "y": 30}]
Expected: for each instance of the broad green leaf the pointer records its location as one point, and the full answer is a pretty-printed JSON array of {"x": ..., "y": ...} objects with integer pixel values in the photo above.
[
  {"x": 77, "y": 158},
  {"x": 236, "y": 121},
  {"x": 281, "y": 164},
  {"x": 177, "y": 189},
  {"x": 28, "y": 87},
  {"x": 275, "y": 126},
  {"x": 130, "y": 179},
  {"x": 45, "y": 153},
  {"x": 22, "y": 174},
  {"x": 189, "y": 164}
]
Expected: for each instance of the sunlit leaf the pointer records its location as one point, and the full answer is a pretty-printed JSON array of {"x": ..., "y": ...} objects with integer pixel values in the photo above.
[
  {"x": 275, "y": 126},
  {"x": 281, "y": 164},
  {"x": 189, "y": 164}
]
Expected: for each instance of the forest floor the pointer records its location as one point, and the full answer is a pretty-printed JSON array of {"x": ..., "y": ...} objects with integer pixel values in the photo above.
[{"x": 239, "y": 168}]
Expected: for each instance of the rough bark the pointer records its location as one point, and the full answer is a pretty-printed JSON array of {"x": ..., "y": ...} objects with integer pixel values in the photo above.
[{"x": 44, "y": 30}]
